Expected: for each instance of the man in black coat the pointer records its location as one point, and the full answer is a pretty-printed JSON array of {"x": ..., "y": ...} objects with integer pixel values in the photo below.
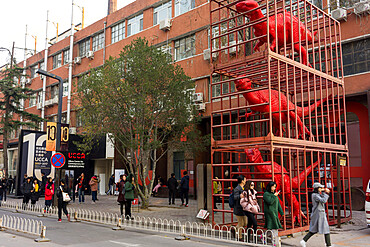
[
  {"x": 1, "y": 190},
  {"x": 27, "y": 187},
  {"x": 43, "y": 183},
  {"x": 172, "y": 185},
  {"x": 238, "y": 210},
  {"x": 184, "y": 188}
]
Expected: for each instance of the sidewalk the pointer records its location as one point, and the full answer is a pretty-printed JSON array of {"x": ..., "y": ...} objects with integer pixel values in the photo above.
[{"x": 355, "y": 230}]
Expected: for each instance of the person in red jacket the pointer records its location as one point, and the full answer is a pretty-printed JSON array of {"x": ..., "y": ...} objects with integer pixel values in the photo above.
[{"x": 49, "y": 192}]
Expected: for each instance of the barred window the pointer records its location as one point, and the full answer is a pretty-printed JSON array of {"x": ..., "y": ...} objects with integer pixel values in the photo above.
[
  {"x": 57, "y": 60},
  {"x": 98, "y": 42},
  {"x": 66, "y": 57},
  {"x": 118, "y": 32},
  {"x": 84, "y": 47}
]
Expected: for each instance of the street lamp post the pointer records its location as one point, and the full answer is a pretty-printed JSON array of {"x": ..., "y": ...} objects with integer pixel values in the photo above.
[{"x": 58, "y": 138}]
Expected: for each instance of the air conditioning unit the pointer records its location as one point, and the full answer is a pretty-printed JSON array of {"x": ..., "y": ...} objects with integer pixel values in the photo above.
[
  {"x": 39, "y": 105},
  {"x": 207, "y": 54},
  {"x": 362, "y": 7},
  {"x": 198, "y": 97},
  {"x": 232, "y": 50},
  {"x": 339, "y": 14},
  {"x": 77, "y": 60},
  {"x": 165, "y": 24},
  {"x": 48, "y": 102},
  {"x": 90, "y": 55},
  {"x": 72, "y": 130},
  {"x": 200, "y": 107}
]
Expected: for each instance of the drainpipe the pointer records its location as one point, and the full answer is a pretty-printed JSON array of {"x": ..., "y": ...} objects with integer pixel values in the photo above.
[
  {"x": 105, "y": 26},
  {"x": 70, "y": 70}
]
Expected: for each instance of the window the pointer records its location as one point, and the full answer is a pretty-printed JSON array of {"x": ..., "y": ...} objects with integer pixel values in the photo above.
[
  {"x": 183, "y": 6},
  {"x": 57, "y": 60},
  {"x": 356, "y": 57},
  {"x": 42, "y": 65},
  {"x": 334, "y": 4},
  {"x": 33, "y": 71},
  {"x": 32, "y": 100},
  {"x": 185, "y": 47},
  {"x": 65, "y": 88},
  {"x": 39, "y": 97},
  {"x": 54, "y": 91},
  {"x": 98, "y": 42},
  {"x": 162, "y": 12},
  {"x": 66, "y": 57},
  {"x": 118, "y": 32},
  {"x": 135, "y": 25},
  {"x": 84, "y": 47},
  {"x": 79, "y": 122},
  {"x": 166, "y": 49},
  {"x": 221, "y": 89}
]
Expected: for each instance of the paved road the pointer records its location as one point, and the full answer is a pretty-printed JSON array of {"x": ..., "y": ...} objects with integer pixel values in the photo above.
[{"x": 90, "y": 234}]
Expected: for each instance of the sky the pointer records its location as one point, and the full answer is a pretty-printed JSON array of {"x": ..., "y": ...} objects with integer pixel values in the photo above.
[{"x": 16, "y": 14}]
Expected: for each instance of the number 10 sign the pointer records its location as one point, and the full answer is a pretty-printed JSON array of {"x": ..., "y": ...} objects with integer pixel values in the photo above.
[{"x": 51, "y": 134}]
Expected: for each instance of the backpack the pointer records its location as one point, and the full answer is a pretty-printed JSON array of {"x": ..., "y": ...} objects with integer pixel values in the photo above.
[{"x": 231, "y": 200}]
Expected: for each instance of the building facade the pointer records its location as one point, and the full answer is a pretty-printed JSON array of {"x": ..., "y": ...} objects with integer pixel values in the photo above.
[{"x": 181, "y": 28}]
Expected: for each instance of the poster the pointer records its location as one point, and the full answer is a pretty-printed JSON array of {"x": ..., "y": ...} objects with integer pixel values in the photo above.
[{"x": 117, "y": 173}]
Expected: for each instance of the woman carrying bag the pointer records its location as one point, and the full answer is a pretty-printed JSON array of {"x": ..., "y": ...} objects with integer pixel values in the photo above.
[
  {"x": 319, "y": 222},
  {"x": 63, "y": 199},
  {"x": 121, "y": 189},
  {"x": 35, "y": 192},
  {"x": 250, "y": 204}
]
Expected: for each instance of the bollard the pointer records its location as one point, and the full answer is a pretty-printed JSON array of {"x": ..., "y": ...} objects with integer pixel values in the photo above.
[
  {"x": 75, "y": 218},
  {"x": 1, "y": 224},
  {"x": 42, "y": 237},
  {"x": 119, "y": 225}
]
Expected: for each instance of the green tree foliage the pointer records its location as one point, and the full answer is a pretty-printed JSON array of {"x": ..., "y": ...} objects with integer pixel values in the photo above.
[
  {"x": 11, "y": 110},
  {"x": 143, "y": 101}
]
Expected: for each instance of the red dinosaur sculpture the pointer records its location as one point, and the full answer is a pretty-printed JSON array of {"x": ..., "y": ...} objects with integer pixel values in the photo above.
[
  {"x": 260, "y": 29},
  {"x": 262, "y": 96},
  {"x": 254, "y": 156}
]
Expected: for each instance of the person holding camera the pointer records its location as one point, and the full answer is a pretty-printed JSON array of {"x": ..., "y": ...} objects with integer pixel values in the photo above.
[{"x": 319, "y": 222}]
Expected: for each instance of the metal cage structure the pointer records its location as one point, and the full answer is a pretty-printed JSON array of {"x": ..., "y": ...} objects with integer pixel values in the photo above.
[{"x": 277, "y": 89}]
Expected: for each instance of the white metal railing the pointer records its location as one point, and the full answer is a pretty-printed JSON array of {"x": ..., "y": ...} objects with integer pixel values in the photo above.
[{"x": 195, "y": 229}]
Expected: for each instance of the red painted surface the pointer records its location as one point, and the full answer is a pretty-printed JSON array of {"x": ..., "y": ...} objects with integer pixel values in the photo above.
[{"x": 364, "y": 170}]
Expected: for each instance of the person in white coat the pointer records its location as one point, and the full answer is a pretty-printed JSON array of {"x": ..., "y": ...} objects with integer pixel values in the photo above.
[{"x": 319, "y": 222}]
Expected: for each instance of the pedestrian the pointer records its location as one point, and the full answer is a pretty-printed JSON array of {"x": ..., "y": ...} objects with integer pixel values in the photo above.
[
  {"x": 10, "y": 184},
  {"x": 272, "y": 208},
  {"x": 25, "y": 176},
  {"x": 110, "y": 185},
  {"x": 5, "y": 187},
  {"x": 238, "y": 210},
  {"x": 216, "y": 190},
  {"x": 121, "y": 192},
  {"x": 1, "y": 190},
  {"x": 319, "y": 222},
  {"x": 49, "y": 192},
  {"x": 129, "y": 195},
  {"x": 62, "y": 200},
  {"x": 35, "y": 192},
  {"x": 172, "y": 185},
  {"x": 27, "y": 187},
  {"x": 250, "y": 205},
  {"x": 94, "y": 182},
  {"x": 159, "y": 184},
  {"x": 82, "y": 187},
  {"x": 43, "y": 183},
  {"x": 184, "y": 188}
]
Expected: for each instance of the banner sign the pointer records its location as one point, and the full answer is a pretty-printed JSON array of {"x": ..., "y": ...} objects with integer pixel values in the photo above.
[
  {"x": 75, "y": 160},
  {"x": 33, "y": 157},
  {"x": 64, "y": 131},
  {"x": 51, "y": 133}
]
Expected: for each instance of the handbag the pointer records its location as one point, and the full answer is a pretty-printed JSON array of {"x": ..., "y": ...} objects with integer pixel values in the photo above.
[{"x": 66, "y": 197}]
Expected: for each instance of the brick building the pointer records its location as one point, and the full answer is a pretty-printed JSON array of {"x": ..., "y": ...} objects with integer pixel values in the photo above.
[{"x": 181, "y": 28}]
